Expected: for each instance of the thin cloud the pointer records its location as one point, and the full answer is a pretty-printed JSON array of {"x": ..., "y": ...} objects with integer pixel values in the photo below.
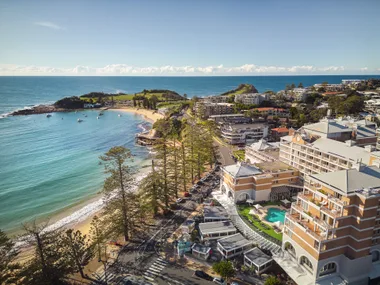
[
  {"x": 49, "y": 25},
  {"x": 167, "y": 70}
]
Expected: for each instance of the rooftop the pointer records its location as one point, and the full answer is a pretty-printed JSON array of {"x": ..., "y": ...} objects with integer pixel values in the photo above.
[
  {"x": 327, "y": 127},
  {"x": 244, "y": 126},
  {"x": 343, "y": 150},
  {"x": 351, "y": 180},
  {"x": 281, "y": 130},
  {"x": 241, "y": 170},
  {"x": 200, "y": 248},
  {"x": 262, "y": 144},
  {"x": 258, "y": 257},
  {"x": 214, "y": 212},
  {"x": 216, "y": 227},
  {"x": 274, "y": 166},
  {"x": 234, "y": 241}
]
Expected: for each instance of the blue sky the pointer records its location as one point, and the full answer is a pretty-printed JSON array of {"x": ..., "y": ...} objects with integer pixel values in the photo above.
[{"x": 189, "y": 37}]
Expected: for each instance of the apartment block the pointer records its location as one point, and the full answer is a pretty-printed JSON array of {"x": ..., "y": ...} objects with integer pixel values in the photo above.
[
  {"x": 321, "y": 155},
  {"x": 251, "y": 98},
  {"x": 206, "y": 110},
  {"x": 262, "y": 182},
  {"x": 332, "y": 232},
  {"x": 243, "y": 133}
]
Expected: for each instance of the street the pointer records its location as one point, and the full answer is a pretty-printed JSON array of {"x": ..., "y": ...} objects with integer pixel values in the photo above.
[{"x": 144, "y": 257}]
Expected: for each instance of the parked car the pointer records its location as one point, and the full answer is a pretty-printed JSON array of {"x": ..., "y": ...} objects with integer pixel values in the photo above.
[
  {"x": 218, "y": 280},
  {"x": 186, "y": 194},
  {"x": 202, "y": 274},
  {"x": 179, "y": 200},
  {"x": 235, "y": 283}
]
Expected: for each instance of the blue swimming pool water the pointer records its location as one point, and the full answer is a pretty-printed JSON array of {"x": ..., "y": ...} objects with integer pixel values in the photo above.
[{"x": 275, "y": 214}]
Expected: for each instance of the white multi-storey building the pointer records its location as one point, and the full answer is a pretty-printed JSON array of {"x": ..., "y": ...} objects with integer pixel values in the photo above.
[
  {"x": 311, "y": 156},
  {"x": 251, "y": 98},
  {"x": 243, "y": 133}
]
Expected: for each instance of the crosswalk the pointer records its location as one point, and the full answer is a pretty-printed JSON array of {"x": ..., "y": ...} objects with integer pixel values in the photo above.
[
  {"x": 243, "y": 227},
  {"x": 108, "y": 278},
  {"x": 155, "y": 269}
]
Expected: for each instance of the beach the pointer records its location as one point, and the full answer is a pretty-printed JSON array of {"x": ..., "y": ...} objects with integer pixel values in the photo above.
[
  {"x": 83, "y": 224},
  {"x": 149, "y": 115}
]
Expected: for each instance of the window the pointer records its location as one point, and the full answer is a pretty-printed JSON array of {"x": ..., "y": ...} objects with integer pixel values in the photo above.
[
  {"x": 289, "y": 248},
  {"x": 328, "y": 269},
  {"x": 375, "y": 256},
  {"x": 306, "y": 263}
]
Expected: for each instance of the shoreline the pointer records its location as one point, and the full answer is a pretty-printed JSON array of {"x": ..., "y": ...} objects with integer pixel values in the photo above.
[
  {"x": 79, "y": 216},
  {"x": 150, "y": 115}
]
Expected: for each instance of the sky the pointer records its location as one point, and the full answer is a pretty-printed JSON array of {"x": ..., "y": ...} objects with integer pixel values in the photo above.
[{"x": 213, "y": 37}]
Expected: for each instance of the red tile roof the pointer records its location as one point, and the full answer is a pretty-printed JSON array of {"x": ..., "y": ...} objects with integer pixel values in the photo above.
[{"x": 281, "y": 130}]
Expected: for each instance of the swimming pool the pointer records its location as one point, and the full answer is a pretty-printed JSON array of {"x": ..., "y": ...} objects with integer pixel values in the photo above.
[{"x": 275, "y": 215}]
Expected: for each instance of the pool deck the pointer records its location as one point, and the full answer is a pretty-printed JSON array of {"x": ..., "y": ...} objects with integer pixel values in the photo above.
[{"x": 262, "y": 213}]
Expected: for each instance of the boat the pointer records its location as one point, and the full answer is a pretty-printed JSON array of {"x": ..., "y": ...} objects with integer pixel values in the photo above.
[
  {"x": 101, "y": 114},
  {"x": 79, "y": 120},
  {"x": 48, "y": 116},
  {"x": 97, "y": 117},
  {"x": 85, "y": 115},
  {"x": 119, "y": 115}
]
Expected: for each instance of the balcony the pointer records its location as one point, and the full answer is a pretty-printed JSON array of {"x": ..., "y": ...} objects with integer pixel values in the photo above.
[
  {"x": 333, "y": 213},
  {"x": 307, "y": 227}
]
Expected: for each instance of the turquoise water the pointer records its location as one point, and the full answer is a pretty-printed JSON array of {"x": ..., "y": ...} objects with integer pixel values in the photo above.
[
  {"x": 48, "y": 164},
  {"x": 275, "y": 215}
]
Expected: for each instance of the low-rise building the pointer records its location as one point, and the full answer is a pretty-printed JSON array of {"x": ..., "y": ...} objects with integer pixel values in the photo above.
[
  {"x": 257, "y": 259},
  {"x": 280, "y": 132},
  {"x": 243, "y": 133},
  {"x": 329, "y": 87},
  {"x": 201, "y": 251},
  {"x": 300, "y": 94},
  {"x": 251, "y": 98},
  {"x": 262, "y": 151},
  {"x": 205, "y": 110},
  {"x": 216, "y": 230},
  {"x": 234, "y": 245},
  {"x": 271, "y": 111},
  {"x": 262, "y": 182},
  {"x": 230, "y": 119},
  {"x": 332, "y": 231},
  {"x": 216, "y": 99},
  {"x": 214, "y": 214}
]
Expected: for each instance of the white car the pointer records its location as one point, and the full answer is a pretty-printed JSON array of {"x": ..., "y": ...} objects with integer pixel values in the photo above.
[
  {"x": 218, "y": 280},
  {"x": 179, "y": 200}
]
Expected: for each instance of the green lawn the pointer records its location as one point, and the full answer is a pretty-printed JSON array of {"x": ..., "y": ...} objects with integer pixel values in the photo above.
[
  {"x": 239, "y": 154},
  {"x": 254, "y": 221}
]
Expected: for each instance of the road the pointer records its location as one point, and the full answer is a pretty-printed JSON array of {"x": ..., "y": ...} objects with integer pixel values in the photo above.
[{"x": 225, "y": 155}]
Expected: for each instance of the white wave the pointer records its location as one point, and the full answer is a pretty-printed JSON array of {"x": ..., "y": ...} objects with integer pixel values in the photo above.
[{"x": 83, "y": 213}]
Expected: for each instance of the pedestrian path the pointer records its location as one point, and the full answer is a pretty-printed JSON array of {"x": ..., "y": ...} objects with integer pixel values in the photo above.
[
  {"x": 243, "y": 227},
  {"x": 103, "y": 278},
  {"x": 155, "y": 269}
]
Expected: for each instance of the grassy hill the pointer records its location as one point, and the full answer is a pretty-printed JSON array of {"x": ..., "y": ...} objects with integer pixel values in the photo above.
[
  {"x": 161, "y": 94},
  {"x": 242, "y": 89}
]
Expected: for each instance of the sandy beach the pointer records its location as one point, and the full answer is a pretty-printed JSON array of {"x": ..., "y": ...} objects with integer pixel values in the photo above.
[
  {"x": 79, "y": 217},
  {"x": 150, "y": 115}
]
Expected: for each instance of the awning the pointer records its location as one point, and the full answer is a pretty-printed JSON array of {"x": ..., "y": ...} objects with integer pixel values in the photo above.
[{"x": 285, "y": 201}]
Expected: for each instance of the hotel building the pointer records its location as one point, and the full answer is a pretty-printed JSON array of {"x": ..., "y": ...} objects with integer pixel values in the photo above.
[
  {"x": 332, "y": 233},
  {"x": 262, "y": 182},
  {"x": 312, "y": 155}
]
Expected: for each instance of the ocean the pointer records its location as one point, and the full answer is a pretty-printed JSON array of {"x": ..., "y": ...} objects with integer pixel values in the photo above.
[{"x": 48, "y": 165}]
